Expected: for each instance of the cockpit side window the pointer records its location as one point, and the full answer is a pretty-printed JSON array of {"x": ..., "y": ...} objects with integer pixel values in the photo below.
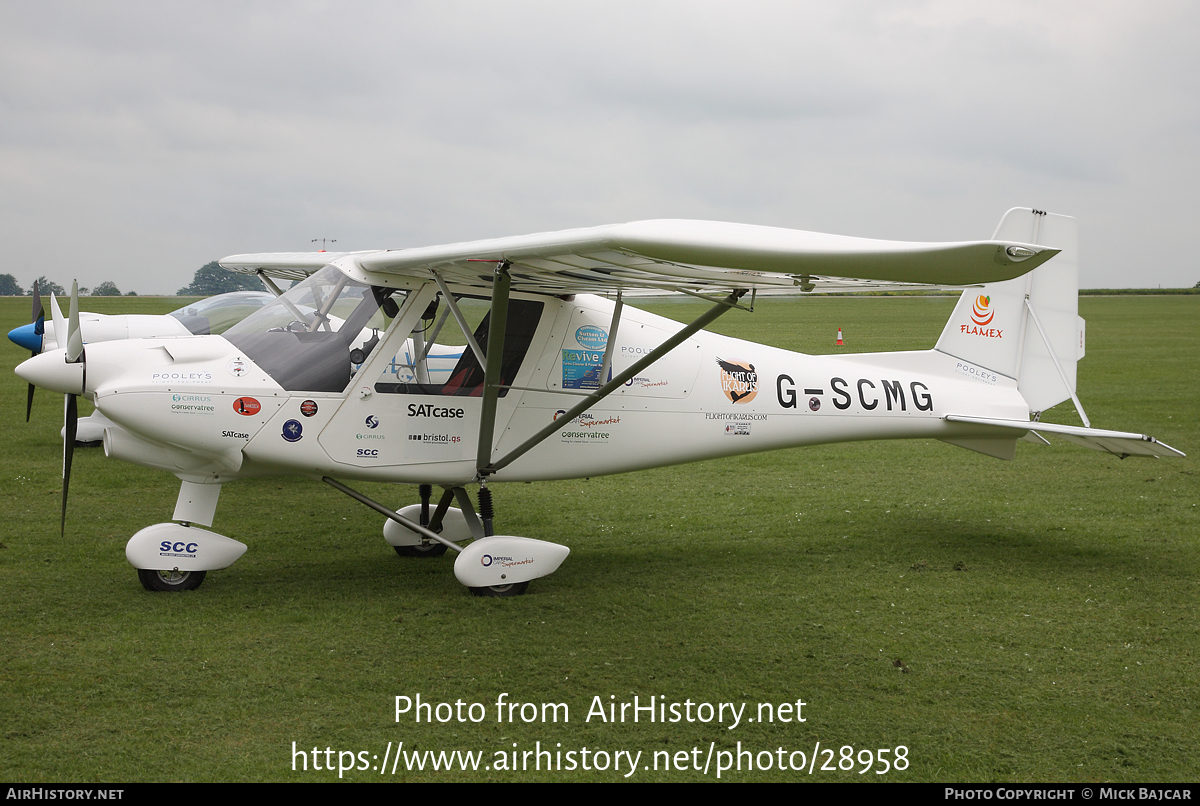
[{"x": 456, "y": 371}]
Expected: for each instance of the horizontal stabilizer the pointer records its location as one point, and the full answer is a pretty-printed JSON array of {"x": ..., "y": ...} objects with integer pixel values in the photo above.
[{"x": 1120, "y": 443}]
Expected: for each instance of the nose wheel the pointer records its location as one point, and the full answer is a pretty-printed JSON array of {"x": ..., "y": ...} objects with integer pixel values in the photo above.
[
  {"x": 498, "y": 591},
  {"x": 169, "y": 581}
]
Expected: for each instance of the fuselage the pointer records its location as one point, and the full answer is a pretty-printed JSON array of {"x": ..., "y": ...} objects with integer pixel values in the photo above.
[{"x": 201, "y": 407}]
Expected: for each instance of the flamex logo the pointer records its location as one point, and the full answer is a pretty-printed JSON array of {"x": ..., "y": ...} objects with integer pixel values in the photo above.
[{"x": 981, "y": 311}]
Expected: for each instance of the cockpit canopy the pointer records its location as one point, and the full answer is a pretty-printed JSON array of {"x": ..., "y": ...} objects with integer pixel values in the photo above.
[{"x": 303, "y": 339}]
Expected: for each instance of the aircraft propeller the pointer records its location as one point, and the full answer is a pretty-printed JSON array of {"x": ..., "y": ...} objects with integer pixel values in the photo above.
[
  {"x": 39, "y": 328},
  {"x": 75, "y": 355}
]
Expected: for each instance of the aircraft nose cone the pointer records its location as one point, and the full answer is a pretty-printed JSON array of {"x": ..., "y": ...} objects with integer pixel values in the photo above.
[
  {"x": 51, "y": 371},
  {"x": 26, "y": 336}
]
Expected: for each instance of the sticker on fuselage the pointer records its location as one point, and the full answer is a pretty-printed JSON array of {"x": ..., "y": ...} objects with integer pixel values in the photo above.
[
  {"x": 293, "y": 431},
  {"x": 739, "y": 380}
]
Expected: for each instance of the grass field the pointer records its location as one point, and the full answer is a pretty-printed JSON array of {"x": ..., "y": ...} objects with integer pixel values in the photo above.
[{"x": 1017, "y": 621}]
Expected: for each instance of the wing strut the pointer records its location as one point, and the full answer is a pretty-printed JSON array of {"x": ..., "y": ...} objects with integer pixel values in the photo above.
[
  {"x": 616, "y": 383},
  {"x": 497, "y": 329},
  {"x": 612, "y": 337}
]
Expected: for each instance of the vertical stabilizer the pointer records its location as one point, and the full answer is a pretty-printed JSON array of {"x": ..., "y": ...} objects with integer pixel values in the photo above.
[{"x": 1027, "y": 328}]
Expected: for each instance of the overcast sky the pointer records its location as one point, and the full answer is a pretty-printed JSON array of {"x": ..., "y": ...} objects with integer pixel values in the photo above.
[{"x": 142, "y": 140}]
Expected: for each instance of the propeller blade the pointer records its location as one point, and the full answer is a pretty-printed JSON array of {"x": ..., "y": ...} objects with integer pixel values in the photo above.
[
  {"x": 74, "y": 337},
  {"x": 39, "y": 327},
  {"x": 70, "y": 429},
  {"x": 39, "y": 313},
  {"x": 60, "y": 324}
]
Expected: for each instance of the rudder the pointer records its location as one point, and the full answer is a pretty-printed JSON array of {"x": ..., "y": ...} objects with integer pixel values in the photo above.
[{"x": 1037, "y": 343}]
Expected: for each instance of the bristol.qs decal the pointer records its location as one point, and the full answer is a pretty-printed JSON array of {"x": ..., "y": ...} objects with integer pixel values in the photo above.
[
  {"x": 442, "y": 412},
  {"x": 292, "y": 431},
  {"x": 739, "y": 380},
  {"x": 308, "y": 408},
  {"x": 372, "y": 421},
  {"x": 247, "y": 406},
  {"x": 895, "y": 395},
  {"x": 982, "y": 314},
  {"x": 592, "y": 337},
  {"x": 435, "y": 439}
]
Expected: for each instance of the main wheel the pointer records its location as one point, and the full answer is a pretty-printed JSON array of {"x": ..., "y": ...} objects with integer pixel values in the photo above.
[
  {"x": 170, "y": 580},
  {"x": 430, "y": 549},
  {"x": 496, "y": 591}
]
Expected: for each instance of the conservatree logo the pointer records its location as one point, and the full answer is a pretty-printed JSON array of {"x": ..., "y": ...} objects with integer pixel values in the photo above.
[
  {"x": 585, "y": 428},
  {"x": 739, "y": 380},
  {"x": 192, "y": 404}
]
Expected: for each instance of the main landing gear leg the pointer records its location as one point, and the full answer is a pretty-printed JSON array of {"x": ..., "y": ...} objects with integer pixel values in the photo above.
[
  {"x": 492, "y": 565},
  {"x": 177, "y": 556},
  {"x": 446, "y": 521}
]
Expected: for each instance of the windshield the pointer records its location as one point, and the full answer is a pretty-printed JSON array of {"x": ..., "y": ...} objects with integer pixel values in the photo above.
[
  {"x": 305, "y": 338},
  {"x": 215, "y": 315}
]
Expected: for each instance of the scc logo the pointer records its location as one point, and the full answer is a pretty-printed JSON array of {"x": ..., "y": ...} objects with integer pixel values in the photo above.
[
  {"x": 181, "y": 547},
  {"x": 367, "y": 452}
]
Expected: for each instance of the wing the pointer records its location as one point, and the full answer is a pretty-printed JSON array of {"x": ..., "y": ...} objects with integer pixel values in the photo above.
[
  {"x": 283, "y": 265},
  {"x": 672, "y": 255}
]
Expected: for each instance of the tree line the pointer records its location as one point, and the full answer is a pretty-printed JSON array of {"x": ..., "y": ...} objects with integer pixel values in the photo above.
[{"x": 209, "y": 280}]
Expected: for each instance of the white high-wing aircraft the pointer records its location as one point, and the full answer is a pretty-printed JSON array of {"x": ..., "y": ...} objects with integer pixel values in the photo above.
[{"x": 556, "y": 383}]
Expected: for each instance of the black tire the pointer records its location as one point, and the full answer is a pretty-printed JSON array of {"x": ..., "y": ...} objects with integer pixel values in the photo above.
[
  {"x": 170, "y": 581},
  {"x": 497, "y": 591},
  {"x": 430, "y": 549}
]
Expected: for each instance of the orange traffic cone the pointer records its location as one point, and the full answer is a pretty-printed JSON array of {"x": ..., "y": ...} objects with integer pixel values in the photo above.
[{"x": 839, "y": 341}]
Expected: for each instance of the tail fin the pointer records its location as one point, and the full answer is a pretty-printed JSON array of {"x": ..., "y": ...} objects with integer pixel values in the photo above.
[{"x": 1027, "y": 328}]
